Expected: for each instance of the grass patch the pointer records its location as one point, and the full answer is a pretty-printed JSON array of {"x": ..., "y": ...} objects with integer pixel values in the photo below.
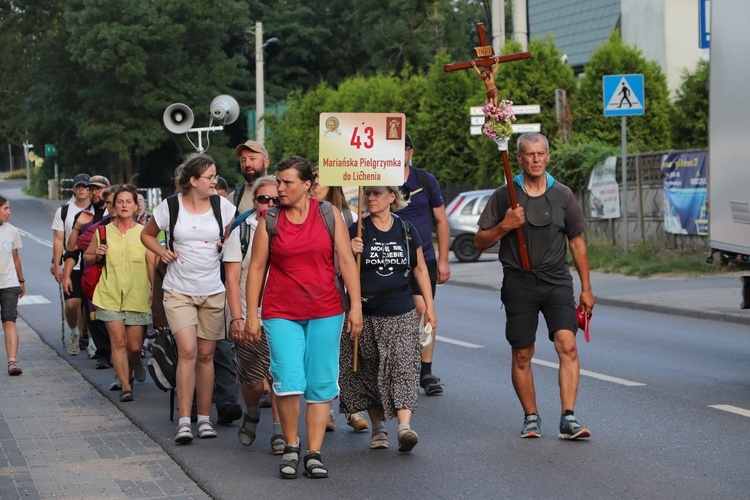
[{"x": 648, "y": 259}]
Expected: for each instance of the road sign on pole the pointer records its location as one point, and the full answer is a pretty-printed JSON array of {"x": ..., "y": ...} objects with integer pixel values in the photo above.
[{"x": 624, "y": 95}]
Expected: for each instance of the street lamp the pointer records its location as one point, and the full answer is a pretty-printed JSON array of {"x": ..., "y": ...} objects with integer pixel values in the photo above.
[{"x": 260, "y": 99}]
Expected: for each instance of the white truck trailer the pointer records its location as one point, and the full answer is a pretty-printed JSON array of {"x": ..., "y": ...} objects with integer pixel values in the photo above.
[{"x": 729, "y": 132}]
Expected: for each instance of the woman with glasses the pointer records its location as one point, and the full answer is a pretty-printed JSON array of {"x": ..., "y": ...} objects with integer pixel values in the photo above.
[
  {"x": 123, "y": 295},
  {"x": 193, "y": 292},
  {"x": 253, "y": 359},
  {"x": 302, "y": 310},
  {"x": 387, "y": 381}
]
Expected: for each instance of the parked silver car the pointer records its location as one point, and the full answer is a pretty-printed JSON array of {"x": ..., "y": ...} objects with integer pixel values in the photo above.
[{"x": 463, "y": 213}]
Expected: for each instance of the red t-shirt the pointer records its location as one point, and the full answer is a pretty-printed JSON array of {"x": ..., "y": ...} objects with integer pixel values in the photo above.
[{"x": 300, "y": 281}]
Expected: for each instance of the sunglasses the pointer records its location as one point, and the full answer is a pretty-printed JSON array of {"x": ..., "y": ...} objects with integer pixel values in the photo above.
[
  {"x": 406, "y": 192},
  {"x": 264, "y": 198},
  {"x": 539, "y": 212}
]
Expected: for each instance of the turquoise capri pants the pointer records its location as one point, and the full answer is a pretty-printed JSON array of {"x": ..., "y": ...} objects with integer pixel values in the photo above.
[{"x": 305, "y": 356}]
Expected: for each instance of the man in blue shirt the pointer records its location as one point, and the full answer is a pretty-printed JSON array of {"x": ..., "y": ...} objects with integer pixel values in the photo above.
[{"x": 424, "y": 203}]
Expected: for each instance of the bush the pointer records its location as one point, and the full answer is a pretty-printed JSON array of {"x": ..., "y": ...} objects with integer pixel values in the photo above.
[{"x": 572, "y": 163}]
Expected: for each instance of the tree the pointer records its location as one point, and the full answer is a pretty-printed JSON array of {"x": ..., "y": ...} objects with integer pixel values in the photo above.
[
  {"x": 649, "y": 132},
  {"x": 690, "y": 109}
]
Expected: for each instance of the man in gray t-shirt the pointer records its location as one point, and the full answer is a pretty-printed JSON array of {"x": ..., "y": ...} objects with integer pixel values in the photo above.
[{"x": 550, "y": 217}]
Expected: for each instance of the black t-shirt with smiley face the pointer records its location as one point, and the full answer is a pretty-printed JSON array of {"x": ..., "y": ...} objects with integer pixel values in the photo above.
[{"x": 384, "y": 266}]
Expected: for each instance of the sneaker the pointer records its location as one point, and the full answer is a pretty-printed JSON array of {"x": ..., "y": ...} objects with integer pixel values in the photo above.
[
  {"x": 379, "y": 440},
  {"x": 73, "y": 348},
  {"x": 532, "y": 427},
  {"x": 184, "y": 434},
  {"x": 229, "y": 413},
  {"x": 265, "y": 400},
  {"x": 206, "y": 430},
  {"x": 571, "y": 429},
  {"x": 140, "y": 372},
  {"x": 91, "y": 351},
  {"x": 356, "y": 421},
  {"x": 331, "y": 423},
  {"x": 407, "y": 440},
  {"x": 277, "y": 444}
]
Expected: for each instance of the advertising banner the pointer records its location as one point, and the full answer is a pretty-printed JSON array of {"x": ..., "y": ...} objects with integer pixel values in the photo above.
[
  {"x": 685, "y": 193},
  {"x": 605, "y": 192}
]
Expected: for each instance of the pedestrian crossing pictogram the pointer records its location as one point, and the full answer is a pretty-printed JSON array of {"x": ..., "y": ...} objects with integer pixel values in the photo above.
[{"x": 623, "y": 95}]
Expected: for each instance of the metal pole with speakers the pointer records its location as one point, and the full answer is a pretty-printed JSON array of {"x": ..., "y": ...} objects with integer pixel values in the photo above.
[{"x": 179, "y": 118}]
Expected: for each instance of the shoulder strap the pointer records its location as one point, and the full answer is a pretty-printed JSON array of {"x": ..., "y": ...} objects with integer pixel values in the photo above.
[
  {"x": 216, "y": 207},
  {"x": 238, "y": 194},
  {"x": 244, "y": 238},
  {"x": 411, "y": 249},
  {"x": 348, "y": 217},
  {"x": 423, "y": 180},
  {"x": 174, "y": 210},
  {"x": 64, "y": 212},
  {"x": 326, "y": 211},
  {"x": 102, "y": 234},
  {"x": 272, "y": 219}
]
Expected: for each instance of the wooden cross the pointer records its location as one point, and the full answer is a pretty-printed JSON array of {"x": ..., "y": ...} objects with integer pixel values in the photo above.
[{"x": 486, "y": 54}]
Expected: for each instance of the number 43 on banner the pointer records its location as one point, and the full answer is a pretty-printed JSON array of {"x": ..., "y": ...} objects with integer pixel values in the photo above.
[{"x": 362, "y": 149}]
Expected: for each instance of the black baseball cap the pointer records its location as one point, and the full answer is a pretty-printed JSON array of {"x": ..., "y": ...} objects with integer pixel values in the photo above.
[
  {"x": 407, "y": 141},
  {"x": 81, "y": 180}
]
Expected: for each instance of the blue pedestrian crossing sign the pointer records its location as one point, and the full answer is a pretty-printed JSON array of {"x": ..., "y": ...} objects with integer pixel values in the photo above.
[{"x": 624, "y": 95}]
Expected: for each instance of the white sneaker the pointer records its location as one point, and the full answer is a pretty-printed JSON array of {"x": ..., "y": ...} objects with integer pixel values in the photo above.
[
  {"x": 73, "y": 348},
  {"x": 91, "y": 351}
]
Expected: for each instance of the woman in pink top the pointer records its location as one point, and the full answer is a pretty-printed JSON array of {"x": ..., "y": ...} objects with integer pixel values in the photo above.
[{"x": 302, "y": 309}]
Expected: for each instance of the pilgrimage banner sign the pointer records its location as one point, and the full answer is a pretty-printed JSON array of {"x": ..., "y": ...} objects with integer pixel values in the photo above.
[
  {"x": 685, "y": 197},
  {"x": 605, "y": 192},
  {"x": 362, "y": 149}
]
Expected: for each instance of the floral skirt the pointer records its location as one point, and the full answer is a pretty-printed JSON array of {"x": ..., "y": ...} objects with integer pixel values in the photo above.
[{"x": 388, "y": 366}]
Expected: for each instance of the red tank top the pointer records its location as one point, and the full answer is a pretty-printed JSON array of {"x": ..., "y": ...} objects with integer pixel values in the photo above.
[{"x": 300, "y": 282}]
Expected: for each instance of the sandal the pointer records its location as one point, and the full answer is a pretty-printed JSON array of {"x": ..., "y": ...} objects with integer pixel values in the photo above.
[
  {"x": 430, "y": 385},
  {"x": 407, "y": 440},
  {"x": 290, "y": 462},
  {"x": 277, "y": 444},
  {"x": 314, "y": 468},
  {"x": 206, "y": 430},
  {"x": 247, "y": 436},
  {"x": 379, "y": 440},
  {"x": 14, "y": 369},
  {"x": 126, "y": 396},
  {"x": 184, "y": 434}
]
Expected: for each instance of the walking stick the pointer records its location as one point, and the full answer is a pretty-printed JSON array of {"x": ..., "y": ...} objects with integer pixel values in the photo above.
[
  {"x": 359, "y": 264},
  {"x": 62, "y": 314}
]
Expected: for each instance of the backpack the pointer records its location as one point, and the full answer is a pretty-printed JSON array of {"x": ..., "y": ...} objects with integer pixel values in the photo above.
[
  {"x": 326, "y": 211},
  {"x": 90, "y": 276},
  {"x": 241, "y": 221},
  {"x": 163, "y": 363}
]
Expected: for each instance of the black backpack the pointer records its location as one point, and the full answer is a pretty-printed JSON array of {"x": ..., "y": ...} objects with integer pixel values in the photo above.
[{"x": 163, "y": 363}]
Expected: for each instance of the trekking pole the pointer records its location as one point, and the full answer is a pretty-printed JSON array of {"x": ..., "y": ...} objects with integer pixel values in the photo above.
[
  {"x": 62, "y": 314},
  {"x": 359, "y": 264}
]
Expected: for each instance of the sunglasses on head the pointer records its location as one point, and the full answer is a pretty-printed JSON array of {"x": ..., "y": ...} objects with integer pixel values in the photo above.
[{"x": 264, "y": 198}]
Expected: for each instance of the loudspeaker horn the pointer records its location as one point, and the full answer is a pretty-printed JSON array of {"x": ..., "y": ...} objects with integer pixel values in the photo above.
[
  {"x": 225, "y": 109},
  {"x": 178, "y": 118}
]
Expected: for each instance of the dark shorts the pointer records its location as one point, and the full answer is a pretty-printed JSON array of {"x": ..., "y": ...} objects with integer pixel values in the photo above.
[
  {"x": 75, "y": 278},
  {"x": 432, "y": 271},
  {"x": 9, "y": 303},
  {"x": 525, "y": 296}
]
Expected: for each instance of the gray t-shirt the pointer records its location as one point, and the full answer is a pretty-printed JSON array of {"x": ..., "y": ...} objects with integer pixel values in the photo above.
[{"x": 547, "y": 239}]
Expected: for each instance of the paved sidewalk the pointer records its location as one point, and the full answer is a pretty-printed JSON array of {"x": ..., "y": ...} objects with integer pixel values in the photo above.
[
  {"x": 716, "y": 297},
  {"x": 59, "y": 441}
]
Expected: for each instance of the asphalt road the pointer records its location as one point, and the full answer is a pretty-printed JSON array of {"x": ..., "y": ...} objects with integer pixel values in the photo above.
[{"x": 649, "y": 393}]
